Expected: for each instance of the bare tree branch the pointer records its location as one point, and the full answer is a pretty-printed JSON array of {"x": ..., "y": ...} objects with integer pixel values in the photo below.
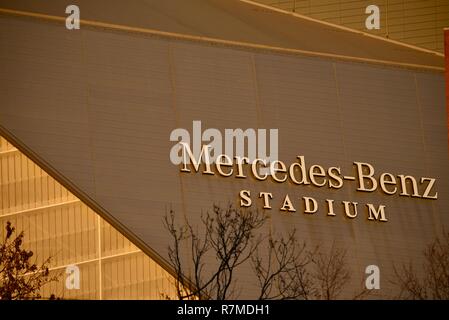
[
  {"x": 284, "y": 268},
  {"x": 229, "y": 236},
  {"x": 435, "y": 282},
  {"x": 330, "y": 272},
  {"x": 283, "y": 275}
]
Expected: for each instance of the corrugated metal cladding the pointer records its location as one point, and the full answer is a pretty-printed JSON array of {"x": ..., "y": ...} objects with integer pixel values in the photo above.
[
  {"x": 417, "y": 22},
  {"x": 98, "y": 107},
  {"x": 57, "y": 224}
]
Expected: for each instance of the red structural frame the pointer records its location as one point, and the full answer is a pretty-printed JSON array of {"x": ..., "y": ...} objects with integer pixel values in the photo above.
[{"x": 446, "y": 51}]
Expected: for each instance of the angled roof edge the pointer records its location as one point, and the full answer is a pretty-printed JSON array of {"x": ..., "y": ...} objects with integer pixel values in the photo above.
[
  {"x": 337, "y": 26},
  {"x": 55, "y": 174},
  {"x": 229, "y": 43}
]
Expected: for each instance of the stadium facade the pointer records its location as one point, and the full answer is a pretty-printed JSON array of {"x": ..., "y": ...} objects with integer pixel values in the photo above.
[{"x": 87, "y": 115}]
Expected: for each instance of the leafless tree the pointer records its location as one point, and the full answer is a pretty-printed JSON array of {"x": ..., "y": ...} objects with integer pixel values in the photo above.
[
  {"x": 285, "y": 268},
  {"x": 330, "y": 272},
  {"x": 435, "y": 282},
  {"x": 229, "y": 234},
  {"x": 20, "y": 278},
  {"x": 282, "y": 273}
]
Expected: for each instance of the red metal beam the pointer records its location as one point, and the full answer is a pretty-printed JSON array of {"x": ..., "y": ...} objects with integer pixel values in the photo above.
[{"x": 446, "y": 52}]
